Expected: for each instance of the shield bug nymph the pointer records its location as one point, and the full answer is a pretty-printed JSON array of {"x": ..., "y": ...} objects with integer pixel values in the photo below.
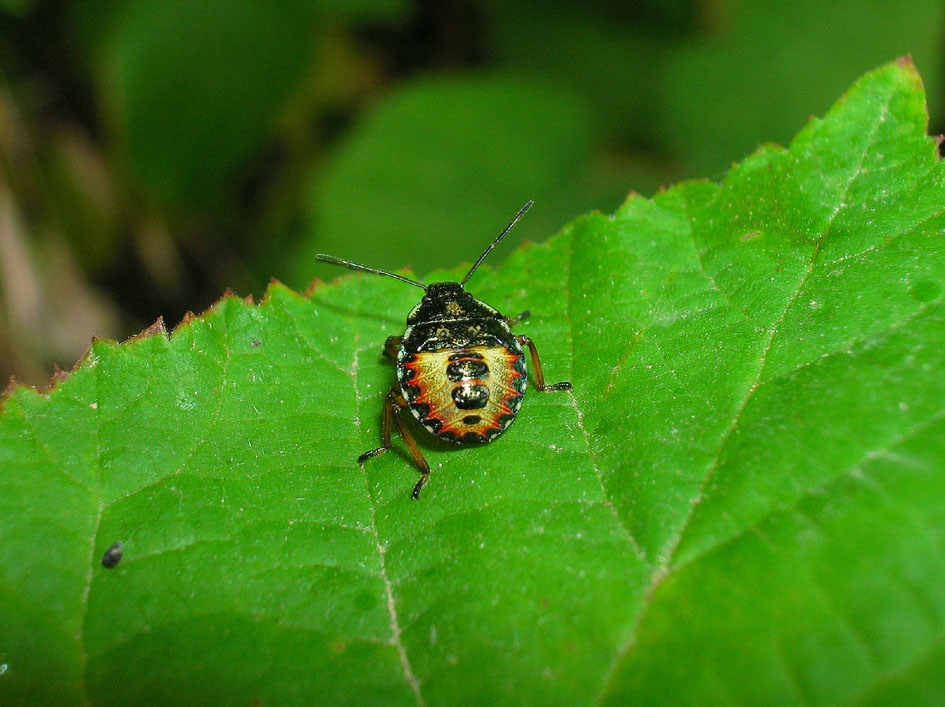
[{"x": 460, "y": 370}]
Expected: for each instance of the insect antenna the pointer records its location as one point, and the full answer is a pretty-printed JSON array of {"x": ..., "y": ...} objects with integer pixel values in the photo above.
[
  {"x": 332, "y": 260},
  {"x": 496, "y": 241}
]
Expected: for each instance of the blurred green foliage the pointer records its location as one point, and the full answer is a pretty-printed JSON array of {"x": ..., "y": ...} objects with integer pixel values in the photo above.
[
  {"x": 156, "y": 152},
  {"x": 412, "y": 205}
]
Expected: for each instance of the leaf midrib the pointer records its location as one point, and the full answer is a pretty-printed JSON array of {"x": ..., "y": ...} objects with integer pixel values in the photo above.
[
  {"x": 665, "y": 569},
  {"x": 413, "y": 684}
]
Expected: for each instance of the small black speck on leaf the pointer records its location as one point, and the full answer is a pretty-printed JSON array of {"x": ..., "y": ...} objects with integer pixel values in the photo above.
[{"x": 112, "y": 556}]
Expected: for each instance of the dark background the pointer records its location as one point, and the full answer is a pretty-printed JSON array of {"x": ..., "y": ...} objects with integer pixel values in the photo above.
[{"x": 157, "y": 152}]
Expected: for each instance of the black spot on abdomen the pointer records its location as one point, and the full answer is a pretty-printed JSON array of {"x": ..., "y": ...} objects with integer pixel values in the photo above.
[
  {"x": 468, "y": 369},
  {"x": 471, "y": 397},
  {"x": 472, "y": 420},
  {"x": 459, "y": 355}
]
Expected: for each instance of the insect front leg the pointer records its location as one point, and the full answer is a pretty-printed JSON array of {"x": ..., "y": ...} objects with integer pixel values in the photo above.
[
  {"x": 536, "y": 366},
  {"x": 512, "y": 321},
  {"x": 394, "y": 405},
  {"x": 392, "y": 346}
]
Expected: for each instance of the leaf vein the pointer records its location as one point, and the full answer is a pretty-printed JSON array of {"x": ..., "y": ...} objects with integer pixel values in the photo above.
[
  {"x": 800, "y": 693},
  {"x": 411, "y": 679},
  {"x": 902, "y": 233},
  {"x": 579, "y": 415},
  {"x": 48, "y": 453},
  {"x": 877, "y": 681},
  {"x": 870, "y": 338},
  {"x": 700, "y": 254},
  {"x": 854, "y": 472},
  {"x": 199, "y": 443},
  {"x": 84, "y": 613},
  {"x": 664, "y": 569},
  {"x": 726, "y": 435}
]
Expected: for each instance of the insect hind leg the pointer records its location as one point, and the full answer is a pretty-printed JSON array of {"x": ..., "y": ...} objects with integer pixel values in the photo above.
[
  {"x": 385, "y": 432},
  {"x": 394, "y": 406}
]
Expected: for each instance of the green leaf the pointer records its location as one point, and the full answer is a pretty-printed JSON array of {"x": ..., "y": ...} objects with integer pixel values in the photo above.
[
  {"x": 187, "y": 131},
  {"x": 743, "y": 500}
]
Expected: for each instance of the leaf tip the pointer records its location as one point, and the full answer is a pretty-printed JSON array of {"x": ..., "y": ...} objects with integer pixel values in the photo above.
[
  {"x": 905, "y": 62},
  {"x": 58, "y": 376},
  {"x": 906, "y": 66},
  {"x": 185, "y": 320},
  {"x": 12, "y": 385},
  {"x": 313, "y": 286},
  {"x": 276, "y": 287},
  {"x": 633, "y": 197},
  {"x": 156, "y": 329}
]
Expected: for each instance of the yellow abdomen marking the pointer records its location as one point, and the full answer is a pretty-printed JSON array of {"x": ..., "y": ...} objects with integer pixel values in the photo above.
[{"x": 467, "y": 395}]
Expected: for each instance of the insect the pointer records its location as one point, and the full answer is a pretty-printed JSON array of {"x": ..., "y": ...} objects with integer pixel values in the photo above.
[
  {"x": 460, "y": 370},
  {"x": 112, "y": 556}
]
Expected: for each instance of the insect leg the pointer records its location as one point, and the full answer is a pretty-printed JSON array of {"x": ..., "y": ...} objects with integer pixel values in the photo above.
[
  {"x": 392, "y": 346},
  {"x": 512, "y": 321},
  {"x": 412, "y": 447},
  {"x": 385, "y": 429},
  {"x": 394, "y": 405},
  {"x": 414, "y": 450},
  {"x": 536, "y": 365}
]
